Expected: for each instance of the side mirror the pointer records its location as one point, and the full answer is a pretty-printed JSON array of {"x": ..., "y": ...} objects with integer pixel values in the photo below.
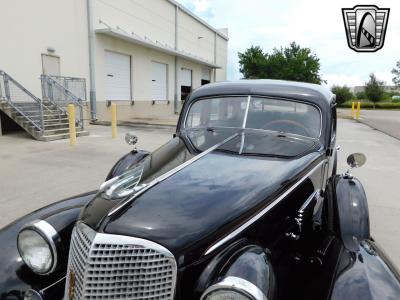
[
  {"x": 131, "y": 139},
  {"x": 355, "y": 160}
]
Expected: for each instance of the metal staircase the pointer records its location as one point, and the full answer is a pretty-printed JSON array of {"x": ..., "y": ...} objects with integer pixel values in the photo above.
[{"x": 45, "y": 120}]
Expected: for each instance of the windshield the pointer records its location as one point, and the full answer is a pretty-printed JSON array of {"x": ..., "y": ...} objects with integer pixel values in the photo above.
[{"x": 257, "y": 113}]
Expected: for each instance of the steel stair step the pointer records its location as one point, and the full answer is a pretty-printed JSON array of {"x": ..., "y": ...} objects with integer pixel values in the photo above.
[
  {"x": 48, "y": 117},
  {"x": 61, "y": 136},
  {"x": 48, "y": 127},
  {"x": 62, "y": 120}
]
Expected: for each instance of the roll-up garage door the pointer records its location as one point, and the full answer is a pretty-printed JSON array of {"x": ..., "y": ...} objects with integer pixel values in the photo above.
[
  {"x": 158, "y": 81},
  {"x": 118, "y": 76},
  {"x": 186, "y": 83},
  {"x": 205, "y": 76},
  {"x": 186, "y": 77}
]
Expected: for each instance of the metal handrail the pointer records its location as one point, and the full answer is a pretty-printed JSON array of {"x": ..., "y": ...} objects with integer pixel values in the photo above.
[
  {"x": 65, "y": 81},
  {"x": 48, "y": 84},
  {"x": 67, "y": 92},
  {"x": 6, "y": 79}
]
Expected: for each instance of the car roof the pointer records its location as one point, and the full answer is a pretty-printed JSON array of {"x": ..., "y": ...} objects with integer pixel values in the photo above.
[{"x": 307, "y": 92}]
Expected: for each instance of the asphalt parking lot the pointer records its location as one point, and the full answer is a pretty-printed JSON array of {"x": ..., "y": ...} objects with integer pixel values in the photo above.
[{"x": 33, "y": 174}]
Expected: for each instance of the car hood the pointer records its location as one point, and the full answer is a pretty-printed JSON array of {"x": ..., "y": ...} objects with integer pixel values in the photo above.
[{"x": 197, "y": 204}]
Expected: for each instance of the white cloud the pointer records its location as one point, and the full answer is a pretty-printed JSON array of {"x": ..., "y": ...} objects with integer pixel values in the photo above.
[
  {"x": 201, "y": 6},
  {"x": 356, "y": 80},
  {"x": 348, "y": 80},
  {"x": 386, "y": 77}
]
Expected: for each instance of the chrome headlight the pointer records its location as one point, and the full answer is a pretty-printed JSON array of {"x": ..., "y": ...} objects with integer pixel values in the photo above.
[
  {"x": 37, "y": 246},
  {"x": 233, "y": 288}
]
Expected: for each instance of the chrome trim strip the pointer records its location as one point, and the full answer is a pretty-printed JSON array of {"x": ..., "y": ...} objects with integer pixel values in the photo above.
[
  {"x": 32, "y": 294},
  {"x": 237, "y": 284},
  {"x": 308, "y": 201},
  {"x": 262, "y": 212},
  {"x": 114, "y": 239},
  {"x": 51, "y": 236},
  {"x": 53, "y": 284},
  {"x": 170, "y": 173}
]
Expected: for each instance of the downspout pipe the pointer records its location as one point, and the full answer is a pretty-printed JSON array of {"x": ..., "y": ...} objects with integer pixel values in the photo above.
[
  {"x": 92, "y": 79},
  {"x": 176, "y": 108}
]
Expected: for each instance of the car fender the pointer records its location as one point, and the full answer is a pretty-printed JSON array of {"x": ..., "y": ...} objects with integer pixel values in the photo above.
[
  {"x": 353, "y": 213},
  {"x": 250, "y": 263},
  {"x": 367, "y": 274},
  {"x": 15, "y": 277}
]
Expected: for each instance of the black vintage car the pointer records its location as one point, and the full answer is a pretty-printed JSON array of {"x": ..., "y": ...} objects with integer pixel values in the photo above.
[{"x": 242, "y": 203}]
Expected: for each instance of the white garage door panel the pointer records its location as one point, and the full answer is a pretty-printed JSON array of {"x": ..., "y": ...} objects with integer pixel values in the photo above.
[
  {"x": 205, "y": 74},
  {"x": 158, "y": 81},
  {"x": 118, "y": 76},
  {"x": 186, "y": 77}
]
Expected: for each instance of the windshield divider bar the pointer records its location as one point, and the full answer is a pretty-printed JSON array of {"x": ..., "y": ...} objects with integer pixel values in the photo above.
[{"x": 246, "y": 113}]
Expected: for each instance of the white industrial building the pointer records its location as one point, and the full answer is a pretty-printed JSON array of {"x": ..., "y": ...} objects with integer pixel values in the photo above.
[{"x": 146, "y": 56}]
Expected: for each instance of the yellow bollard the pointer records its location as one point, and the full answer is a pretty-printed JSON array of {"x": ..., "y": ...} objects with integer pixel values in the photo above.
[
  {"x": 352, "y": 109},
  {"x": 358, "y": 110},
  {"x": 114, "y": 120},
  {"x": 72, "y": 129}
]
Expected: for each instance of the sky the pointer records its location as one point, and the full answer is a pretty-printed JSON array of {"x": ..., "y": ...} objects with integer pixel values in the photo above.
[{"x": 315, "y": 24}]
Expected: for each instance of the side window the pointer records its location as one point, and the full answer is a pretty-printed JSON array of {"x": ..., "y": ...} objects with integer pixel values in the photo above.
[
  {"x": 284, "y": 116},
  {"x": 218, "y": 112}
]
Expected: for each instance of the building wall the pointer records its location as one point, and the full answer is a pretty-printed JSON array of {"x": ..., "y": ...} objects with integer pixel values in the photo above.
[
  {"x": 222, "y": 58},
  {"x": 28, "y": 28},
  {"x": 154, "y": 19},
  {"x": 387, "y": 88},
  {"x": 195, "y": 38},
  {"x": 141, "y": 59}
]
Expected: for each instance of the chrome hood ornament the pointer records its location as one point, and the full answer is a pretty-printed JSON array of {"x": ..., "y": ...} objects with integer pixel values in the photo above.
[{"x": 123, "y": 185}]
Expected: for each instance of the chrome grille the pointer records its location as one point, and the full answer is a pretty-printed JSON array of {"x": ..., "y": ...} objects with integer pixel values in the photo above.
[{"x": 106, "y": 266}]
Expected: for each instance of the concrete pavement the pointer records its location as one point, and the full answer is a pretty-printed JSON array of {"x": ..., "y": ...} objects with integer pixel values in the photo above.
[
  {"x": 387, "y": 121},
  {"x": 380, "y": 177},
  {"x": 33, "y": 174}
]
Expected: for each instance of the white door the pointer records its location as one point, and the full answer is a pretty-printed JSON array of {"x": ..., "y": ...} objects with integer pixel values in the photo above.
[
  {"x": 118, "y": 76},
  {"x": 51, "y": 65},
  {"x": 186, "y": 77},
  {"x": 158, "y": 81}
]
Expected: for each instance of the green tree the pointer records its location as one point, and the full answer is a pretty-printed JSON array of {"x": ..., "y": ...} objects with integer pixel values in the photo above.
[
  {"x": 289, "y": 63},
  {"x": 396, "y": 73},
  {"x": 343, "y": 93},
  {"x": 361, "y": 95},
  {"x": 374, "y": 89},
  {"x": 252, "y": 63}
]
